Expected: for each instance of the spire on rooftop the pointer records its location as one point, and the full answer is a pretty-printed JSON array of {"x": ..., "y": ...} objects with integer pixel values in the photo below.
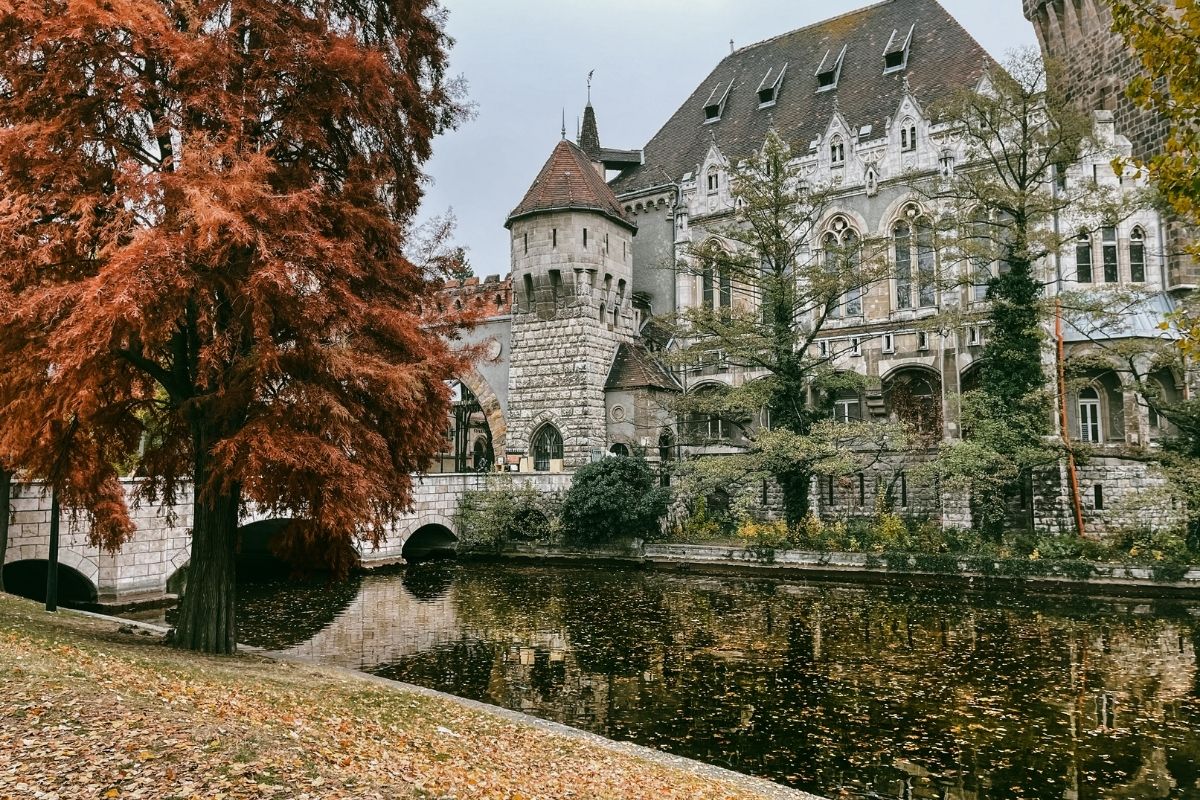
[{"x": 589, "y": 135}]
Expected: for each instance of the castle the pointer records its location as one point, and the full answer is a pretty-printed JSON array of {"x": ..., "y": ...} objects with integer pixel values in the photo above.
[{"x": 574, "y": 369}]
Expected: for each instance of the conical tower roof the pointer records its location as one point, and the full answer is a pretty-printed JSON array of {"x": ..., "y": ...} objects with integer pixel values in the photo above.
[
  {"x": 589, "y": 137},
  {"x": 570, "y": 182}
]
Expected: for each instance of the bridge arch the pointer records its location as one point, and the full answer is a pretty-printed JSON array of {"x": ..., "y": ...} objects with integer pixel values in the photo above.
[
  {"x": 27, "y": 578},
  {"x": 430, "y": 536}
]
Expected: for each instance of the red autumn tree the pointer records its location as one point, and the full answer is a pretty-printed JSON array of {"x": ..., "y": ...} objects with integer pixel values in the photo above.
[{"x": 203, "y": 216}]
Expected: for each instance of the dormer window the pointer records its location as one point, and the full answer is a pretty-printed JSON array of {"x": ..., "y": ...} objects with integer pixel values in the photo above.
[
  {"x": 908, "y": 136},
  {"x": 714, "y": 107},
  {"x": 714, "y": 180},
  {"x": 830, "y": 70},
  {"x": 837, "y": 152},
  {"x": 768, "y": 88},
  {"x": 895, "y": 55}
]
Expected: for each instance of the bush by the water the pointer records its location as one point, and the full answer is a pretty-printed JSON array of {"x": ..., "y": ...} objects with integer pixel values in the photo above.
[
  {"x": 507, "y": 511},
  {"x": 614, "y": 498}
]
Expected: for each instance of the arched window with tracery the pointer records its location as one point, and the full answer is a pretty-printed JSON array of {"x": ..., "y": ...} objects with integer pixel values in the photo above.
[
  {"x": 908, "y": 136},
  {"x": 837, "y": 152},
  {"x": 547, "y": 447},
  {"x": 713, "y": 179},
  {"x": 716, "y": 285},
  {"x": 842, "y": 248},
  {"x": 916, "y": 261}
]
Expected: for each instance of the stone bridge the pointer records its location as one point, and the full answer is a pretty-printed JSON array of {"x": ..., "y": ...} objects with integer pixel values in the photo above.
[{"x": 144, "y": 568}]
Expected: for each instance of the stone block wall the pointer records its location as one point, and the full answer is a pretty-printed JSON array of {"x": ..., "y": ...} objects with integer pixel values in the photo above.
[
  {"x": 573, "y": 308},
  {"x": 1116, "y": 494},
  {"x": 158, "y": 548}
]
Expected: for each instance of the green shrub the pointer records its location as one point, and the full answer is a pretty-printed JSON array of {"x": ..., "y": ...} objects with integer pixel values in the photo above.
[
  {"x": 504, "y": 512},
  {"x": 615, "y": 498},
  {"x": 698, "y": 526},
  {"x": 1147, "y": 546}
]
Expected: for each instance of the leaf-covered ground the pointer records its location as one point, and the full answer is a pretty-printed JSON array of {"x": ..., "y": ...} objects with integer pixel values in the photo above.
[{"x": 87, "y": 711}]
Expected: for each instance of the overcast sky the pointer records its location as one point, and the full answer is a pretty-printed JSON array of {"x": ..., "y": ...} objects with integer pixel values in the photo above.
[{"x": 525, "y": 60}]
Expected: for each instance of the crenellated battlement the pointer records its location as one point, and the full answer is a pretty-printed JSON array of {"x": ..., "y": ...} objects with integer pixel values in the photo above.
[{"x": 493, "y": 294}]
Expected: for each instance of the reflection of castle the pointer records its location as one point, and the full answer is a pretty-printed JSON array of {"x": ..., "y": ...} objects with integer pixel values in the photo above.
[
  {"x": 898, "y": 694},
  {"x": 577, "y": 373}
]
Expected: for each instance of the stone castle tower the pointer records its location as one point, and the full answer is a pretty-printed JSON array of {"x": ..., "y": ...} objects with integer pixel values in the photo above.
[
  {"x": 1097, "y": 67},
  {"x": 572, "y": 272}
]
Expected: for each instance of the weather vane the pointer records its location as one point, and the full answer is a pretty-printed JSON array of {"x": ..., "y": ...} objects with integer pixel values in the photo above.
[{"x": 590, "y": 74}]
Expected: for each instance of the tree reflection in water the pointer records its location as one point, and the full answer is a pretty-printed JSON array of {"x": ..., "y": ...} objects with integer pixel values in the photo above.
[{"x": 845, "y": 691}]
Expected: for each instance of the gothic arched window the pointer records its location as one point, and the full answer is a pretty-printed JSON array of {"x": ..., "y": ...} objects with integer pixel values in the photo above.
[
  {"x": 916, "y": 261},
  {"x": 547, "y": 447},
  {"x": 843, "y": 256},
  {"x": 837, "y": 151},
  {"x": 713, "y": 180}
]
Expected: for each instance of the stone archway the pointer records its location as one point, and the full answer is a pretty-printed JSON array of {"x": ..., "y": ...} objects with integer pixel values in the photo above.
[
  {"x": 429, "y": 540},
  {"x": 26, "y": 577},
  {"x": 492, "y": 412}
]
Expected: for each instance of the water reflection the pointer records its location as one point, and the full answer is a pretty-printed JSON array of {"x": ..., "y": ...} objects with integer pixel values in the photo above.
[{"x": 839, "y": 690}]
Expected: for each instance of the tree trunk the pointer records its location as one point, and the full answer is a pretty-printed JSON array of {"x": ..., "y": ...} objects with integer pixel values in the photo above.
[
  {"x": 796, "y": 486},
  {"x": 207, "y": 621},
  {"x": 5, "y": 501}
]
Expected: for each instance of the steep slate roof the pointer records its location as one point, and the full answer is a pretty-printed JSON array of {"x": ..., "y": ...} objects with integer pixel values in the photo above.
[
  {"x": 569, "y": 181},
  {"x": 943, "y": 58},
  {"x": 635, "y": 368}
]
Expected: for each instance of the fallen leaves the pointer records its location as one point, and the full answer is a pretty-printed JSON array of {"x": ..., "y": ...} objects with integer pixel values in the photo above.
[{"x": 88, "y": 715}]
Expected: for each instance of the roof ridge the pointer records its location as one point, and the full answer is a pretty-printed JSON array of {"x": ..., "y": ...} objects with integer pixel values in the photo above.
[{"x": 817, "y": 24}]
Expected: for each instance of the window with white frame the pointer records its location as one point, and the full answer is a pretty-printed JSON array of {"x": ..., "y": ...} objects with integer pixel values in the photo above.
[
  {"x": 1083, "y": 258},
  {"x": 1091, "y": 429},
  {"x": 1137, "y": 256},
  {"x": 847, "y": 407}
]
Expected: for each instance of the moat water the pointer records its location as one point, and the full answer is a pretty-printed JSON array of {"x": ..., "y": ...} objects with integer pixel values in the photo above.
[{"x": 845, "y": 691}]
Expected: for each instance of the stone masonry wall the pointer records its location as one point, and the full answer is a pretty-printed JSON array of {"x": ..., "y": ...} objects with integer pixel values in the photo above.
[{"x": 1115, "y": 494}]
